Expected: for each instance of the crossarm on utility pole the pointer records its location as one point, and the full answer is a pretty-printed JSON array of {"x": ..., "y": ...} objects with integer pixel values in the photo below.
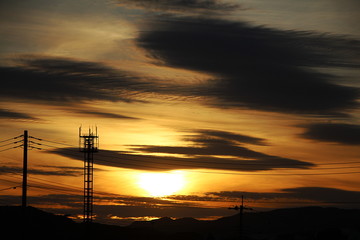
[{"x": 241, "y": 209}]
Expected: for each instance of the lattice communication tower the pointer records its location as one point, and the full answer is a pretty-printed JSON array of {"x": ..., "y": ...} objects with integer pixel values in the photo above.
[{"x": 88, "y": 144}]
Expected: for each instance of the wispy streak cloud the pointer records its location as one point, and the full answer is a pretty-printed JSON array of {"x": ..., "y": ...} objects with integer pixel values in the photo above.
[
  {"x": 63, "y": 81},
  {"x": 213, "y": 150},
  {"x": 8, "y": 114},
  {"x": 182, "y": 6}
]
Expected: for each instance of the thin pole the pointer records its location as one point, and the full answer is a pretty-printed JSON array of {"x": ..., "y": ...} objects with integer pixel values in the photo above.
[
  {"x": 241, "y": 209},
  {"x": 241, "y": 217},
  {"x": 24, "y": 183}
]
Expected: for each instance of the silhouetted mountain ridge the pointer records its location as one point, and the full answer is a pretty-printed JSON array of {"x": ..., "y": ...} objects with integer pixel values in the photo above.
[
  {"x": 33, "y": 223},
  {"x": 290, "y": 223},
  {"x": 307, "y": 223}
]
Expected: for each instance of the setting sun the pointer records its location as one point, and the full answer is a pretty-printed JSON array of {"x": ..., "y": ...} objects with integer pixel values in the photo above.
[{"x": 161, "y": 184}]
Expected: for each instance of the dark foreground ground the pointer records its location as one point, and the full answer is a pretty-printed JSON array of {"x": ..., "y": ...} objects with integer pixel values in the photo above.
[{"x": 310, "y": 223}]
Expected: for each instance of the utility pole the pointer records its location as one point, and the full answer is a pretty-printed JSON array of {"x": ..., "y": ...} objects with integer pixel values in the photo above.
[
  {"x": 241, "y": 209},
  {"x": 89, "y": 144},
  {"x": 24, "y": 183}
]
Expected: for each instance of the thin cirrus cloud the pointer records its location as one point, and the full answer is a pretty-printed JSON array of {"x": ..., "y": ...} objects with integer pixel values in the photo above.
[
  {"x": 321, "y": 194},
  {"x": 215, "y": 150},
  {"x": 257, "y": 67},
  {"x": 103, "y": 114},
  {"x": 37, "y": 171},
  {"x": 229, "y": 136},
  {"x": 8, "y": 114},
  {"x": 64, "y": 81}
]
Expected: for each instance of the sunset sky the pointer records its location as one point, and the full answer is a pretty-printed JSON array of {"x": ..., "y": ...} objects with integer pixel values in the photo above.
[{"x": 197, "y": 102}]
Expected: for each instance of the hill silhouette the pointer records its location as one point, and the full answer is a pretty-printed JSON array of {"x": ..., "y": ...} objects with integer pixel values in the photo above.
[
  {"x": 308, "y": 223},
  {"x": 315, "y": 223},
  {"x": 37, "y": 224}
]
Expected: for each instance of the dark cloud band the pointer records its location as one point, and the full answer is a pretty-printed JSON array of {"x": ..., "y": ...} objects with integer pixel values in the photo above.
[
  {"x": 320, "y": 194},
  {"x": 211, "y": 149},
  {"x": 7, "y": 114},
  {"x": 67, "y": 81},
  {"x": 183, "y": 6},
  {"x": 333, "y": 132},
  {"x": 257, "y": 67}
]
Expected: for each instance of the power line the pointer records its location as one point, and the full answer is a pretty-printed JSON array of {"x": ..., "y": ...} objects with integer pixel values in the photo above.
[
  {"x": 68, "y": 190},
  {"x": 53, "y": 188},
  {"x": 10, "y": 188},
  {"x": 3, "y": 150},
  {"x": 9, "y": 181},
  {"x": 11, "y": 143},
  {"x": 45, "y": 140},
  {"x": 10, "y": 139},
  {"x": 42, "y": 183},
  {"x": 8, "y": 144},
  {"x": 56, "y": 184}
]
